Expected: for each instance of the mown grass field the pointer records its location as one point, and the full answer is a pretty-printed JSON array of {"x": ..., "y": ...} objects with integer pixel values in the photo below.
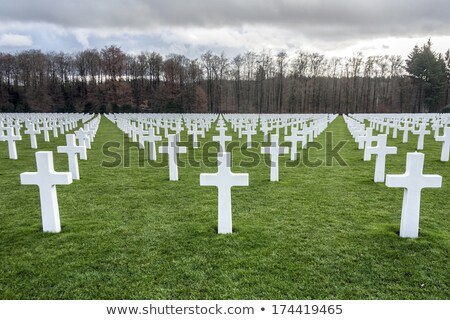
[{"x": 326, "y": 232}]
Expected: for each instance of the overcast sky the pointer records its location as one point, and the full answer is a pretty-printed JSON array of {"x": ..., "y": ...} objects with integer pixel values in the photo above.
[{"x": 190, "y": 27}]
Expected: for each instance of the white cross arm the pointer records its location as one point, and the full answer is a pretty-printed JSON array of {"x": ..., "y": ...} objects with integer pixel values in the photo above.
[
  {"x": 234, "y": 179},
  {"x": 430, "y": 181},
  {"x": 163, "y": 150},
  {"x": 71, "y": 149},
  {"x": 208, "y": 179},
  {"x": 239, "y": 179},
  {"x": 34, "y": 178},
  {"x": 396, "y": 180},
  {"x": 29, "y": 178},
  {"x": 376, "y": 150},
  {"x": 425, "y": 181}
]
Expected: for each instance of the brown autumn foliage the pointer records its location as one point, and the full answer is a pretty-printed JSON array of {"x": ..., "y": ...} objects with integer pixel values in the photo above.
[{"x": 110, "y": 80}]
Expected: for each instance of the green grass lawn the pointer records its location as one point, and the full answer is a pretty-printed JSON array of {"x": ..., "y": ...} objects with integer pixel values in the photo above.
[{"x": 327, "y": 232}]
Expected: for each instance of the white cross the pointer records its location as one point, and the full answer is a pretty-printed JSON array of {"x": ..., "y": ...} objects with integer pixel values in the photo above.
[
  {"x": 368, "y": 139},
  {"x": 195, "y": 132},
  {"x": 11, "y": 138},
  {"x": 265, "y": 129},
  {"x": 308, "y": 132},
  {"x": 2, "y": 128},
  {"x": 446, "y": 145},
  {"x": 413, "y": 180},
  {"x": 203, "y": 127},
  {"x": 224, "y": 179},
  {"x": 222, "y": 138},
  {"x": 172, "y": 150},
  {"x": 381, "y": 151},
  {"x": 90, "y": 132},
  {"x": 46, "y": 128},
  {"x": 405, "y": 129},
  {"x": 436, "y": 127},
  {"x": 178, "y": 127},
  {"x": 140, "y": 132},
  {"x": 395, "y": 125},
  {"x": 158, "y": 126},
  {"x": 62, "y": 126},
  {"x": 275, "y": 151},
  {"x": 17, "y": 125},
  {"x": 166, "y": 125},
  {"x": 83, "y": 139},
  {"x": 249, "y": 132},
  {"x": 387, "y": 126},
  {"x": 365, "y": 137},
  {"x": 276, "y": 125},
  {"x": 132, "y": 133},
  {"x": 421, "y": 132},
  {"x": 151, "y": 138},
  {"x": 55, "y": 129},
  {"x": 239, "y": 126},
  {"x": 72, "y": 150},
  {"x": 294, "y": 138},
  {"x": 47, "y": 179},
  {"x": 32, "y": 131}
]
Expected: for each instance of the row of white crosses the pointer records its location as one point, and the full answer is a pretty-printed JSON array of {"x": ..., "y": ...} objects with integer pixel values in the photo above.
[
  {"x": 274, "y": 150},
  {"x": 11, "y": 125},
  {"x": 224, "y": 179},
  {"x": 46, "y": 178},
  {"x": 413, "y": 180},
  {"x": 364, "y": 136},
  {"x": 145, "y": 128},
  {"x": 304, "y": 128},
  {"x": 196, "y": 125},
  {"x": 415, "y": 123}
]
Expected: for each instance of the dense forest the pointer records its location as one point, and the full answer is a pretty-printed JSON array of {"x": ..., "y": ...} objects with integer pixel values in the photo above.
[{"x": 110, "y": 80}]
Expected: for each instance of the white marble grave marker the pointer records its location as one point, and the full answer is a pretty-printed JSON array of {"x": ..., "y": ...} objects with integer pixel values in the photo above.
[
  {"x": 195, "y": 132},
  {"x": 32, "y": 131},
  {"x": 140, "y": 132},
  {"x": 294, "y": 138},
  {"x": 362, "y": 139},
  {"x": 224, "y": 179},
  {"x": 249, "y": 132},
  {"x": 421, "y": 132},
  {"x": 71, "y": 149},
  {"x": 83, "y": 140},
  {"x": 369, "y": 138},
  {"x": 222, "y": 138},
  {"x": 275, "y": 151},
  {"x": 406, "y": 128},
  {"x": 413, "y": 181},
  {"x": 55, "y": 127},
  {"x": 395, "y": 125},
  {"x": 446, "y": 145},
  {"x": 172, "y": 150},
  {"x": 151, "y": 138},
  {"x": 381, "y": 151},
  {"x": 47, "y": 179},
  {"x": 46, "y": 128},
  {"x": 11, "y": 138}
]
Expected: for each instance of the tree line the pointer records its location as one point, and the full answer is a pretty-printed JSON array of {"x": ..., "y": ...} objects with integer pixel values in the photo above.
[{"x": 110, "y": 80}]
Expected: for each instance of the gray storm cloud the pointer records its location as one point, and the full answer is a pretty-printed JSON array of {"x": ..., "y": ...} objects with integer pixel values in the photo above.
[{"x": 320, "y": 18}]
